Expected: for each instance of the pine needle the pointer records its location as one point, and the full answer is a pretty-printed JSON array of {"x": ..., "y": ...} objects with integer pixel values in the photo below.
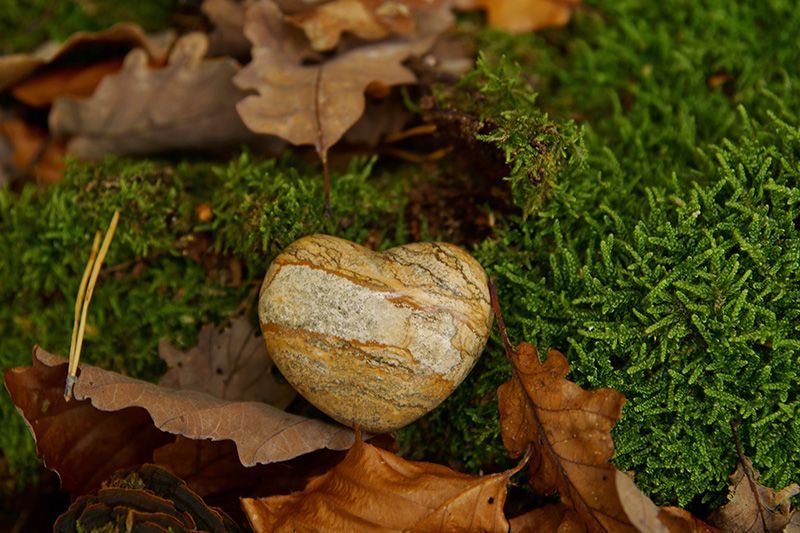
[{"x": 85, "y": 291}]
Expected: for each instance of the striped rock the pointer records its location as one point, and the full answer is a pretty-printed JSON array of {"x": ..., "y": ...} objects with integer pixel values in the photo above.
[{"x": 374, "y": 339}]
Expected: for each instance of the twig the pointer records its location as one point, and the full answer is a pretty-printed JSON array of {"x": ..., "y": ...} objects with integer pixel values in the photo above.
[
  {"x": 750, "y": 480},
  {"x": 501, "y": 326}
]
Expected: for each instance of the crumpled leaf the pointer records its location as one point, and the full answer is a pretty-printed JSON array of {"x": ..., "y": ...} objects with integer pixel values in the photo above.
[
  {"x": 147, "y": 498},
  {"x": 113, "y": 42},
  {"x": 230, "y": 363},
  {"x": 754, "y": 508},
  {"x": 375, "y": 490},
  {"x": 324, "y": 24},
  {"x": 188, "y": 104},
  {"x": 317, "y": 104},
  {"x": 123, "y": 420},
  {"x": 520, "y": 16}
]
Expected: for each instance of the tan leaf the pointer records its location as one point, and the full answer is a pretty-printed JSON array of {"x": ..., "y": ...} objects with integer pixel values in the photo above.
[
  {"x": 754, "y": 508},
  {"x": 144, "y": 415},
  {"x": 317, "y": 104},
  {"x": 189, "y": 104},
  {"x": 227, "y": 38},
  {"x": 520, "y": 16},
  {"x": 115, "y": 41},
  {"x": 230, "y": 363},
  {"x": 546, "y": 519},
  {"x": 374, "y": 490},
  {"x": 366, "y": 19},
  {"x": 75, "y": 81}
]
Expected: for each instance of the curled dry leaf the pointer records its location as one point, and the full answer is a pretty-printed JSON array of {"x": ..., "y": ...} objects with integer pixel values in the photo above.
[
  {"x": 60, "y": 66},
  {"x": 188, "y": 104},
  {"x": 317, "y": 104},
  {"x": 122, "y": 421},
  {"x": 375, "y": 490},
  {"x": 754, "y": 508},
  {"x": 568, "y": 430},
  {"x": 230, "y": 363},
  {"x": 366, "y": 19},
  {"x": 520, "y": 16}
]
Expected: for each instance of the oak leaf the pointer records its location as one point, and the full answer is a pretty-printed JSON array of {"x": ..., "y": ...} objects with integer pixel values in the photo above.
[
  {"x": 121, "y": 421},
  {"x": 324, "y": 24},
  {"x": 567, "y": 431},
  {"x": 375, "y": 490},
  {"x": 227, "y": 36},
  {"x": 188, "y": 104},
  {"x": 520, "y": 16},
  {"x": 58, "y": 64},
  {"x": 230, "y": 363},
  {"x": 316, "y": 104},
  {"x": 754, "y": 508},
  {"x": 33, "y": 152}
]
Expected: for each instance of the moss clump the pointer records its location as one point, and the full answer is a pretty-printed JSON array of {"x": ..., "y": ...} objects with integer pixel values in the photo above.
[{"x": 167, "y": 273}]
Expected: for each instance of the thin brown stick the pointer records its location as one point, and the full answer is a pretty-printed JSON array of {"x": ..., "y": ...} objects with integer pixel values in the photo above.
[
  {"x": 748, "y": 475},
  {"x": 423, "y": 129},
  {"x": 327, "y": 175},
  {"x": 498, "y": 314}
]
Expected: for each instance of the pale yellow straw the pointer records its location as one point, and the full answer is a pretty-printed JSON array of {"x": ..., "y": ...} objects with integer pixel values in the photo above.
[{"x": 82, "y": 302}]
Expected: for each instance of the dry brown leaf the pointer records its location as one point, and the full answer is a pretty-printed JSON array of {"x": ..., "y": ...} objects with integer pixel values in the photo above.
[
  {"x": 33, "y": 151},
  {"x": 74, "y": 81},
  {"x": 188, "y": 104},
  {"x": 375, "y": 490},
  {"x": 752, "y": 507},
  {"x": 568, "y": 430},
  {"x": 113, "y": 42},
  {"x": 227, "y": 38},
  {"x": 72, "y": 437},
  {"x": 367, "y": 19},
  {"x": 230, "y": 363},
  {"x": 520, "y": 16},
  {"x": 317, "y": 104},
  {"x": 546, "y": 519}
]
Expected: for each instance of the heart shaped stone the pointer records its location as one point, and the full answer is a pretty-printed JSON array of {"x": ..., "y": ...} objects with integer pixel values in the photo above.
[{"x": 374, "y": 339}]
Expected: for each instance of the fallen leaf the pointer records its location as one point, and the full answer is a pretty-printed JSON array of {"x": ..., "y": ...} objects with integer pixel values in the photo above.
[
  {"x": 82, "y": 47},
  {"x": 548, "y": 518},
  {"x": 227, "y": 37},
  {"x": 121, "y": 421},
  {"x": 520, "y": 16},
  {"x": 324, "y": 24},
  {"x": 375, "y": 490},
  {"x": 317, "y": 104},
  {"x": 33, "y": 151},
  {"x": 147, "y": 498},
  {"x": 188, "y": 104},
  {"x": 230, "y": 363},
  {"x": 752, "y": 507},
  {"x": 382, "y": 117},
  {"x": 568, "y": 432}
]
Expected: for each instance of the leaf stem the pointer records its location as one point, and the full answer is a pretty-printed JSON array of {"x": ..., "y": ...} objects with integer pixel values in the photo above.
[
  {"x": 498, "y": 314},
  {"x": 748, "y": 474}
]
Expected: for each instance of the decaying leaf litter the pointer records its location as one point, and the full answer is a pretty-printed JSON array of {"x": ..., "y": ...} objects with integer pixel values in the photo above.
[{"x": 98, "y": 115}]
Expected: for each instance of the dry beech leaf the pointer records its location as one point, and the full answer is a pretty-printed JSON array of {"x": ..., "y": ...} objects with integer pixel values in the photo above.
[
  {"x": 375, "y": 490},
  {"x": 520, "y": 16},
  {"x": 317, "y": 104},
  {"x": 115, "y": 41},
  {"x": 33, "y": 151},
  {"x": 123, "y": 420},
  {"x": 754, "y": 508},
  {"x": 188, "y": 104},
  {"x": 230, "y": 363},
  {"x": 227, "y": 38},
  {"x": 366, "y": 19}
]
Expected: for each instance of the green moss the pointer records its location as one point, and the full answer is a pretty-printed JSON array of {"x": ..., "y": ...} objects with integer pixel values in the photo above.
[
  {"x": 153, "y": 287},
  {"x": 26, "y": 25}
]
